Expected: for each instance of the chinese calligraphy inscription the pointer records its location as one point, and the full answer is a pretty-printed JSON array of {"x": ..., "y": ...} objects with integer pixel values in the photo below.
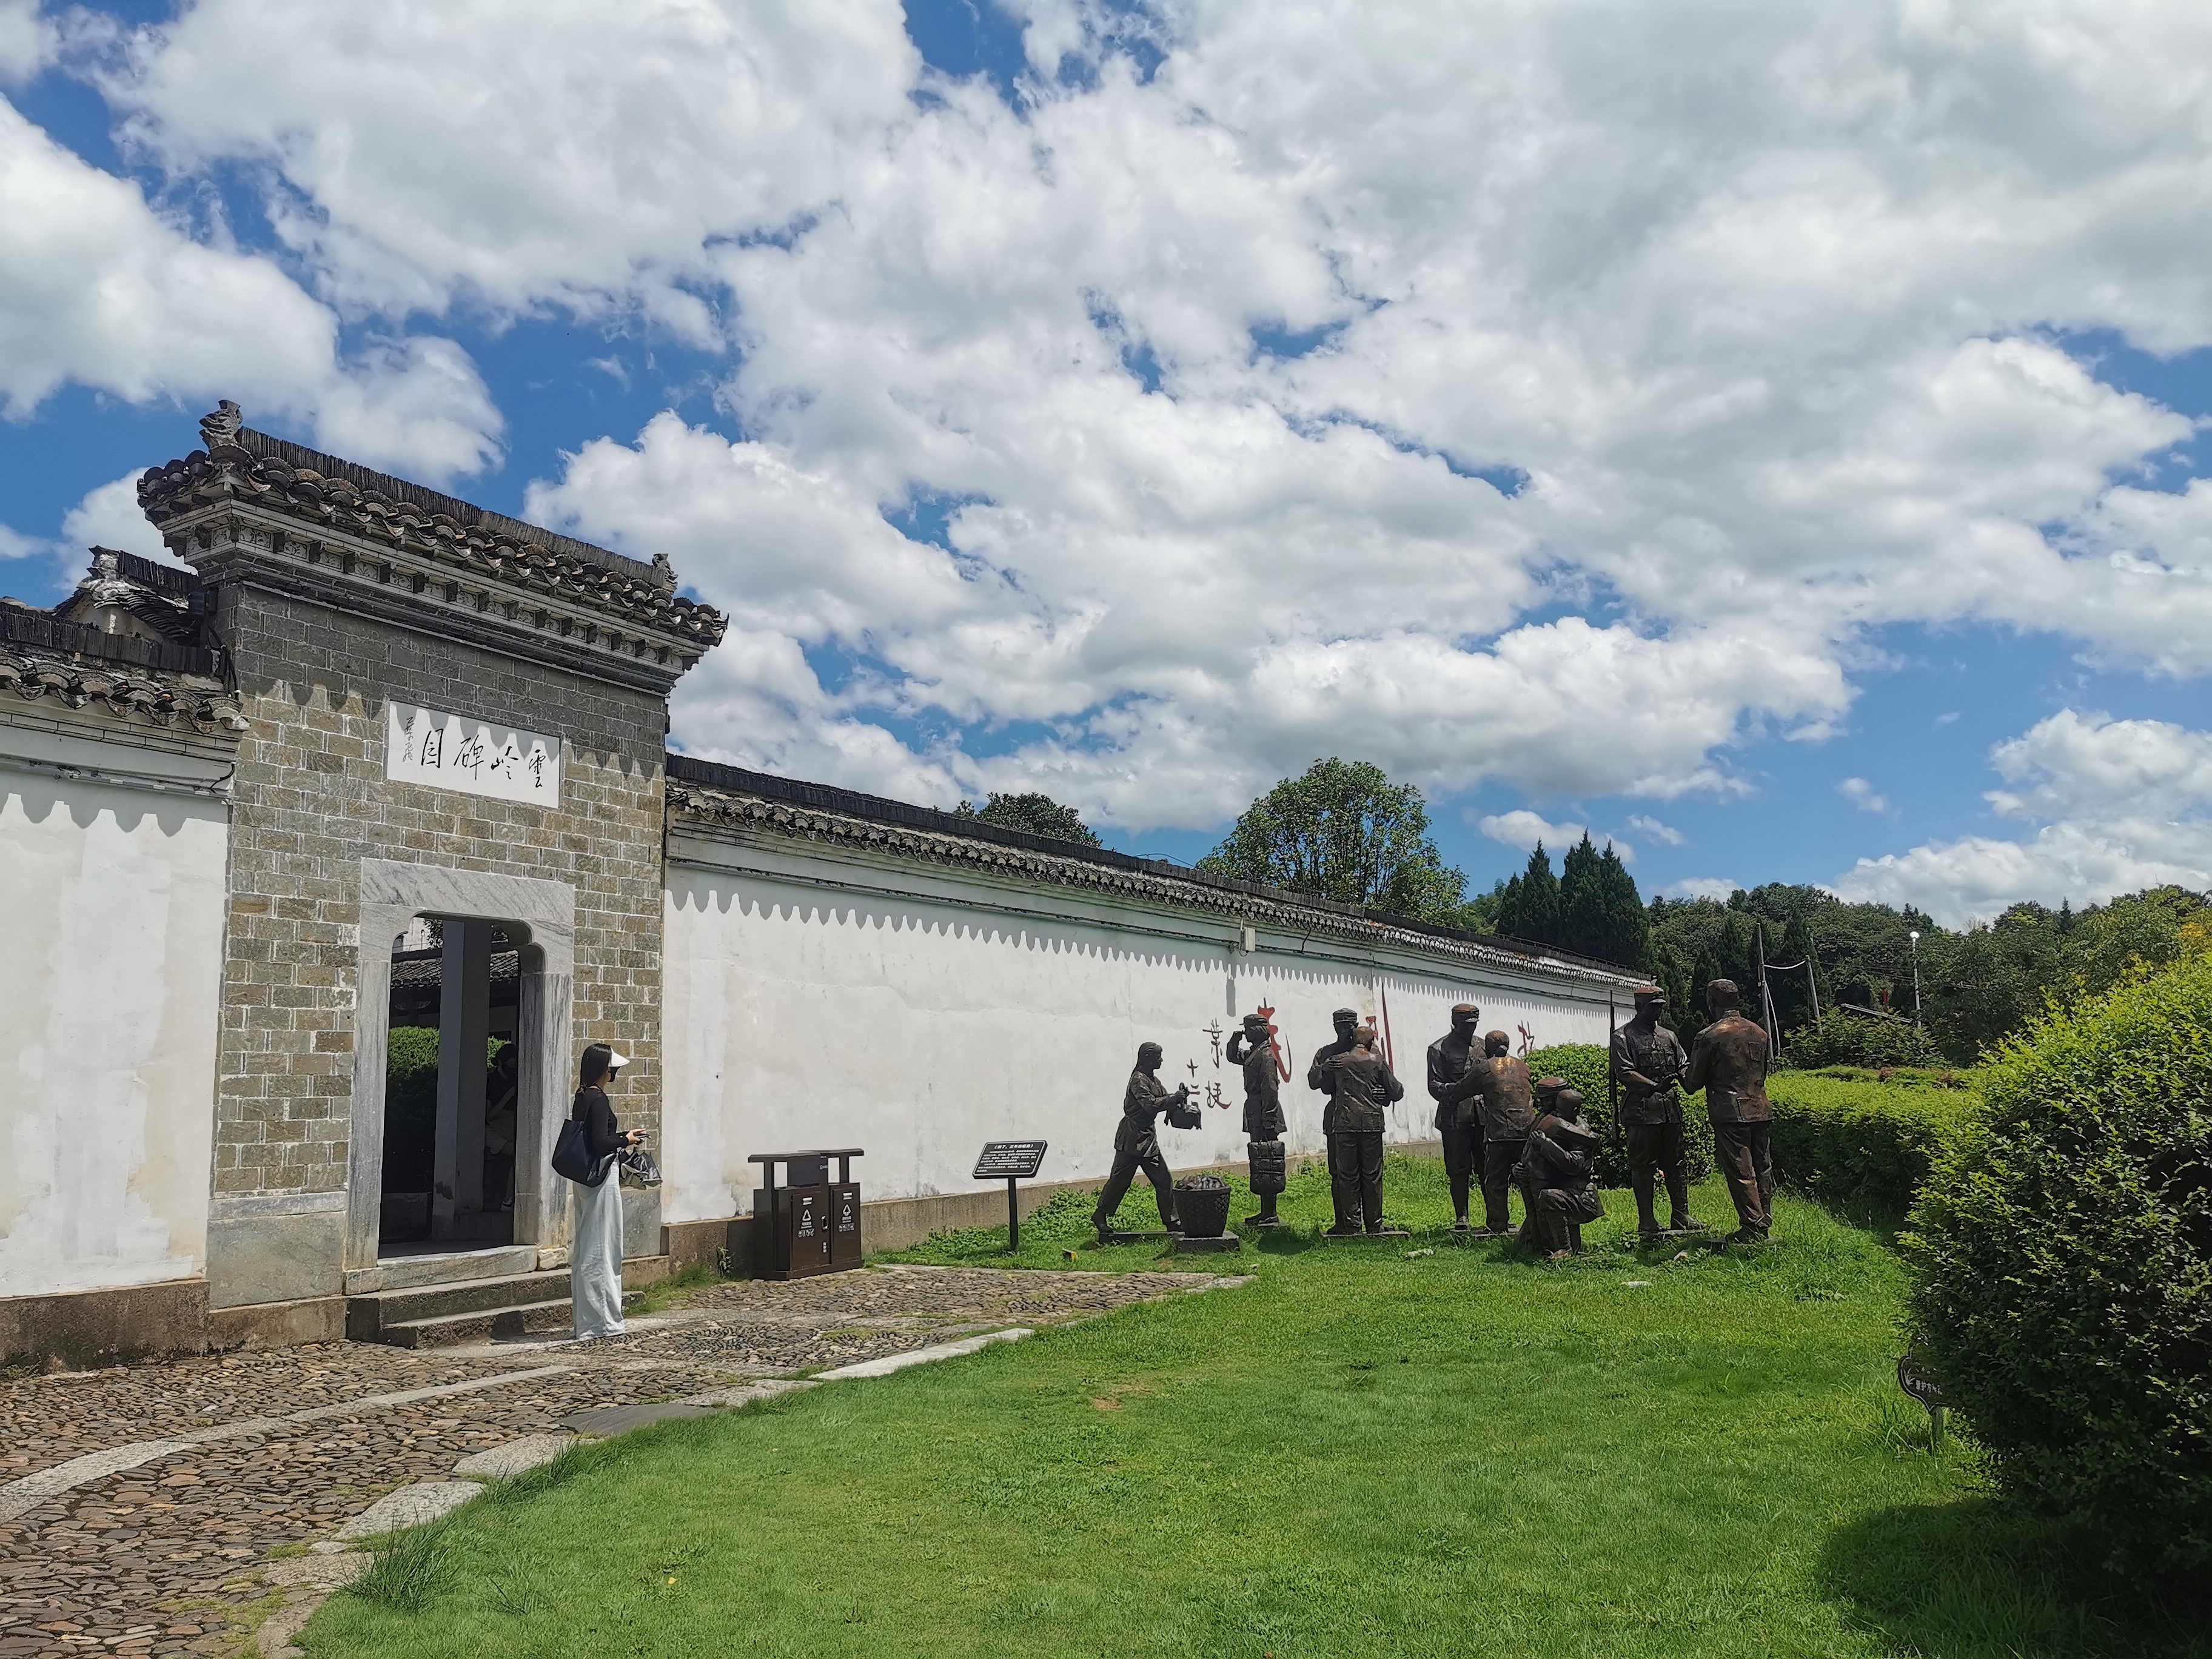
[{"x": 452, "y": 751}]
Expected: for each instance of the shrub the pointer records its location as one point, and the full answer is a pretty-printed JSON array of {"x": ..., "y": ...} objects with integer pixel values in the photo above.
[
  {"x": 1840, "y": 1039},
  {"x": 1861, "y": 1140},
  {"x": 2061, "y": 1255},
  {"x": 411, "y": 1107},
  {"x": 1583, "y": 1065}
]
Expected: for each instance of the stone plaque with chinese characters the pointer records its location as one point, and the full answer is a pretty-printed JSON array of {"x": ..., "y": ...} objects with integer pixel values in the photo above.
[{"x": 452, "y": 751}]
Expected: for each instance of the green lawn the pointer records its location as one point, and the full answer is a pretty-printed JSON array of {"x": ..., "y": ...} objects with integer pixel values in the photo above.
[{"x": 1362, "y": 1452}]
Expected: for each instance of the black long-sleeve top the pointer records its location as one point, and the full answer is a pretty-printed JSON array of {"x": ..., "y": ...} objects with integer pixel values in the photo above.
[{"x": 598, "y": 1117}]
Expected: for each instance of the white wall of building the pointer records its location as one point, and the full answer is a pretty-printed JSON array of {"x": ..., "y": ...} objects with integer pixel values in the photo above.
[
  {"x": 813, "y": 1000},
  {"x": 109, "y": 986}
]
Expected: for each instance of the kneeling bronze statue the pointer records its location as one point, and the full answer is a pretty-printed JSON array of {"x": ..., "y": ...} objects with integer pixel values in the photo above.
[{"x": 1558, "y": 1173}]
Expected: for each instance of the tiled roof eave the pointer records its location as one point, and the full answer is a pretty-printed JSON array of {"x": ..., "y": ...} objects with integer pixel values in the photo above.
[
  {"x": 177, "y": 702},
  {"x": 714, "y": 810},
  {"x": 177, "y": 496}
]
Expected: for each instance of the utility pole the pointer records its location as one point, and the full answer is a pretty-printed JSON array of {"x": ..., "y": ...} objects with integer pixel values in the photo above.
[{"x": 1914, "y": 935}]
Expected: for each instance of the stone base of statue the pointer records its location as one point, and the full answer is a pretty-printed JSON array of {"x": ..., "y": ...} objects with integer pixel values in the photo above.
[
  {"x": 1217, "y": 1241},
  {"x": 1265, "y": 1221},
  {"x": 1331, "y": 1237},
  {"x": 1698, "y": 1230}
]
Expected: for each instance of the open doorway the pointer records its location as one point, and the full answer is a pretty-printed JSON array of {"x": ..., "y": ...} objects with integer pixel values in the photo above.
[{"x": 452, "y": 1088}]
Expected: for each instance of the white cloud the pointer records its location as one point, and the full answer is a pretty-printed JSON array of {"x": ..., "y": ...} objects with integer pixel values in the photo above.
[
  {"x": 1698, "y": 887},
  {"x": 518, "y": 151},
  {"x": 14, "y": 544},
  {"x": 1862, "y": 795},
  {"x": 108, "y": 516},
  {"x": 26, "y": 40},
  {"x": 2128, "y": 805},
  {"x": 2092, "y": 765},
  {"x": 96, "y": 289},
  {"x": 1652, "y": 829},
  {"x": 1763, "y": 301},
  {"x": 1524, "y": 830}
]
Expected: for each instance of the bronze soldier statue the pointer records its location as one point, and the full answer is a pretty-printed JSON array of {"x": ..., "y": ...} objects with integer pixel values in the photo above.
[
  {"x": 1509, "y": 1113},
  {"x": 1136, "y": 1144},
  {"x": 1648, "y": 1062},
  {"x": 1729, "y": 1062},
  {"x": 1557, "y": 1172},
  {"x": 1365, "y": 1087},
  {"x": 1454, "y": 1059},
  {"x": 1322, "y": 1077},
  {"x": 1253, "y": 1048}
]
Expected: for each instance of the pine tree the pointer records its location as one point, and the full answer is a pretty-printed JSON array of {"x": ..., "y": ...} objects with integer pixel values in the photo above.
[
  {"x": 1536, "y": 912},
  {"x": 1582, "y": 901},
  {"x": 1708, "y": 969},
  {"x": 1793, "y": 999},
  {"x": 1507, "y": 922},
  {"x": 1627, "y": 925}
]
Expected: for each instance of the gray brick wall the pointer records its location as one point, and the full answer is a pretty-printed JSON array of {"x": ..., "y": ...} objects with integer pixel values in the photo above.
[{"x": 311, "y": 800}]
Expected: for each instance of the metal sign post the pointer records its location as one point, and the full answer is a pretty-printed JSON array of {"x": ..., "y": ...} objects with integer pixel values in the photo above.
[{"x": 1010, "y": 1161}]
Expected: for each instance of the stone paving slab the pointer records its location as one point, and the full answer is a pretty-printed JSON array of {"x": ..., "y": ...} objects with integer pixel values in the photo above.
[
  {"x": 285, "y": 1450},
  {"x": 620, "y": 1420},
  {"x": 411, "y": 1506},
  {"x": 515, "y": 1457},
  {"x": 899, "y": 1362}
]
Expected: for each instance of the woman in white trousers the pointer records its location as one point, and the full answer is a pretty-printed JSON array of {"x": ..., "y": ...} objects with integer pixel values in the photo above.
[{"x": 596, "y": 1256}]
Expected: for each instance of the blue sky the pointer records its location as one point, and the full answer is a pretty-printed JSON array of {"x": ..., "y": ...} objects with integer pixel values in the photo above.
[{"x": 1137, "y": 404}]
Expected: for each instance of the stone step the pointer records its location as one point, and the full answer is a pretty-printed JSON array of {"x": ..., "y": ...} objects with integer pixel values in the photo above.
[
  {"x": 369, "y": 1316},
  {"x": 449, "y": 1330}
]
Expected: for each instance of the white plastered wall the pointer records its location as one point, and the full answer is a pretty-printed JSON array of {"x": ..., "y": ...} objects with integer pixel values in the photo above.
[
  {"x": 113, "y": 898},
  {"x": 817, "y": 1002}
]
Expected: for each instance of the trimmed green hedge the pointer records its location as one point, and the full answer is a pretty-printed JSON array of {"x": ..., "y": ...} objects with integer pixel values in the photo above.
[
  {"x": 1860, "y": 1144},
  {"x": 411, "y": 1107},
  {"x": 1583, "y": 1065},
  {"x": 2061, "y": 1254}
]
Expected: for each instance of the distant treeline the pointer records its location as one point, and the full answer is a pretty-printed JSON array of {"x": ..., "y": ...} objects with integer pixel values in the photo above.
[{"x": 1976, "y": 986}]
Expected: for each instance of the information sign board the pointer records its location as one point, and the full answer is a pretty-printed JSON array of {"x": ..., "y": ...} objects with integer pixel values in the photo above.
[{"x": 1010, "y": 1160}]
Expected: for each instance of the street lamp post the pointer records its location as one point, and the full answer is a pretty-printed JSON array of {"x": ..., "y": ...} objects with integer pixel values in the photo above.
[{"x": 1913, "y": 933}]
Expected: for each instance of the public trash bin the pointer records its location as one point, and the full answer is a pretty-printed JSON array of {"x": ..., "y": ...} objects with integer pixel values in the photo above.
[
  {"x": 1202, "y": 1206},
  {"x": 809, "y": 1223}
]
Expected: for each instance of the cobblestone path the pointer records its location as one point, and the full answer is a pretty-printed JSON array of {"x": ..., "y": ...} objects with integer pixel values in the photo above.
[{"x": 236, "y": 1456}]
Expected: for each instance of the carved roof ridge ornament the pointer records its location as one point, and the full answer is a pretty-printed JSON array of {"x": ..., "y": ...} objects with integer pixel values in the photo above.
[
  {"x": 366, "y": 540},
  {"x": 738, "y": 810},
  {"x": 223, "y": 426}
]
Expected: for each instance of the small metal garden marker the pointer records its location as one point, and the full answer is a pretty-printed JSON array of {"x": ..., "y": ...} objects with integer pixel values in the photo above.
[{"x": 1927, "y": 1390}]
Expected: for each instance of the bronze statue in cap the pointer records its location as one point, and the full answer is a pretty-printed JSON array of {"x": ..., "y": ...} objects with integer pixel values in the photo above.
[
  {"x": 1365, "y": 1088},
  {"x": 1648, "y": 1063},
  {"x": 1457, "y": 1073}
]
